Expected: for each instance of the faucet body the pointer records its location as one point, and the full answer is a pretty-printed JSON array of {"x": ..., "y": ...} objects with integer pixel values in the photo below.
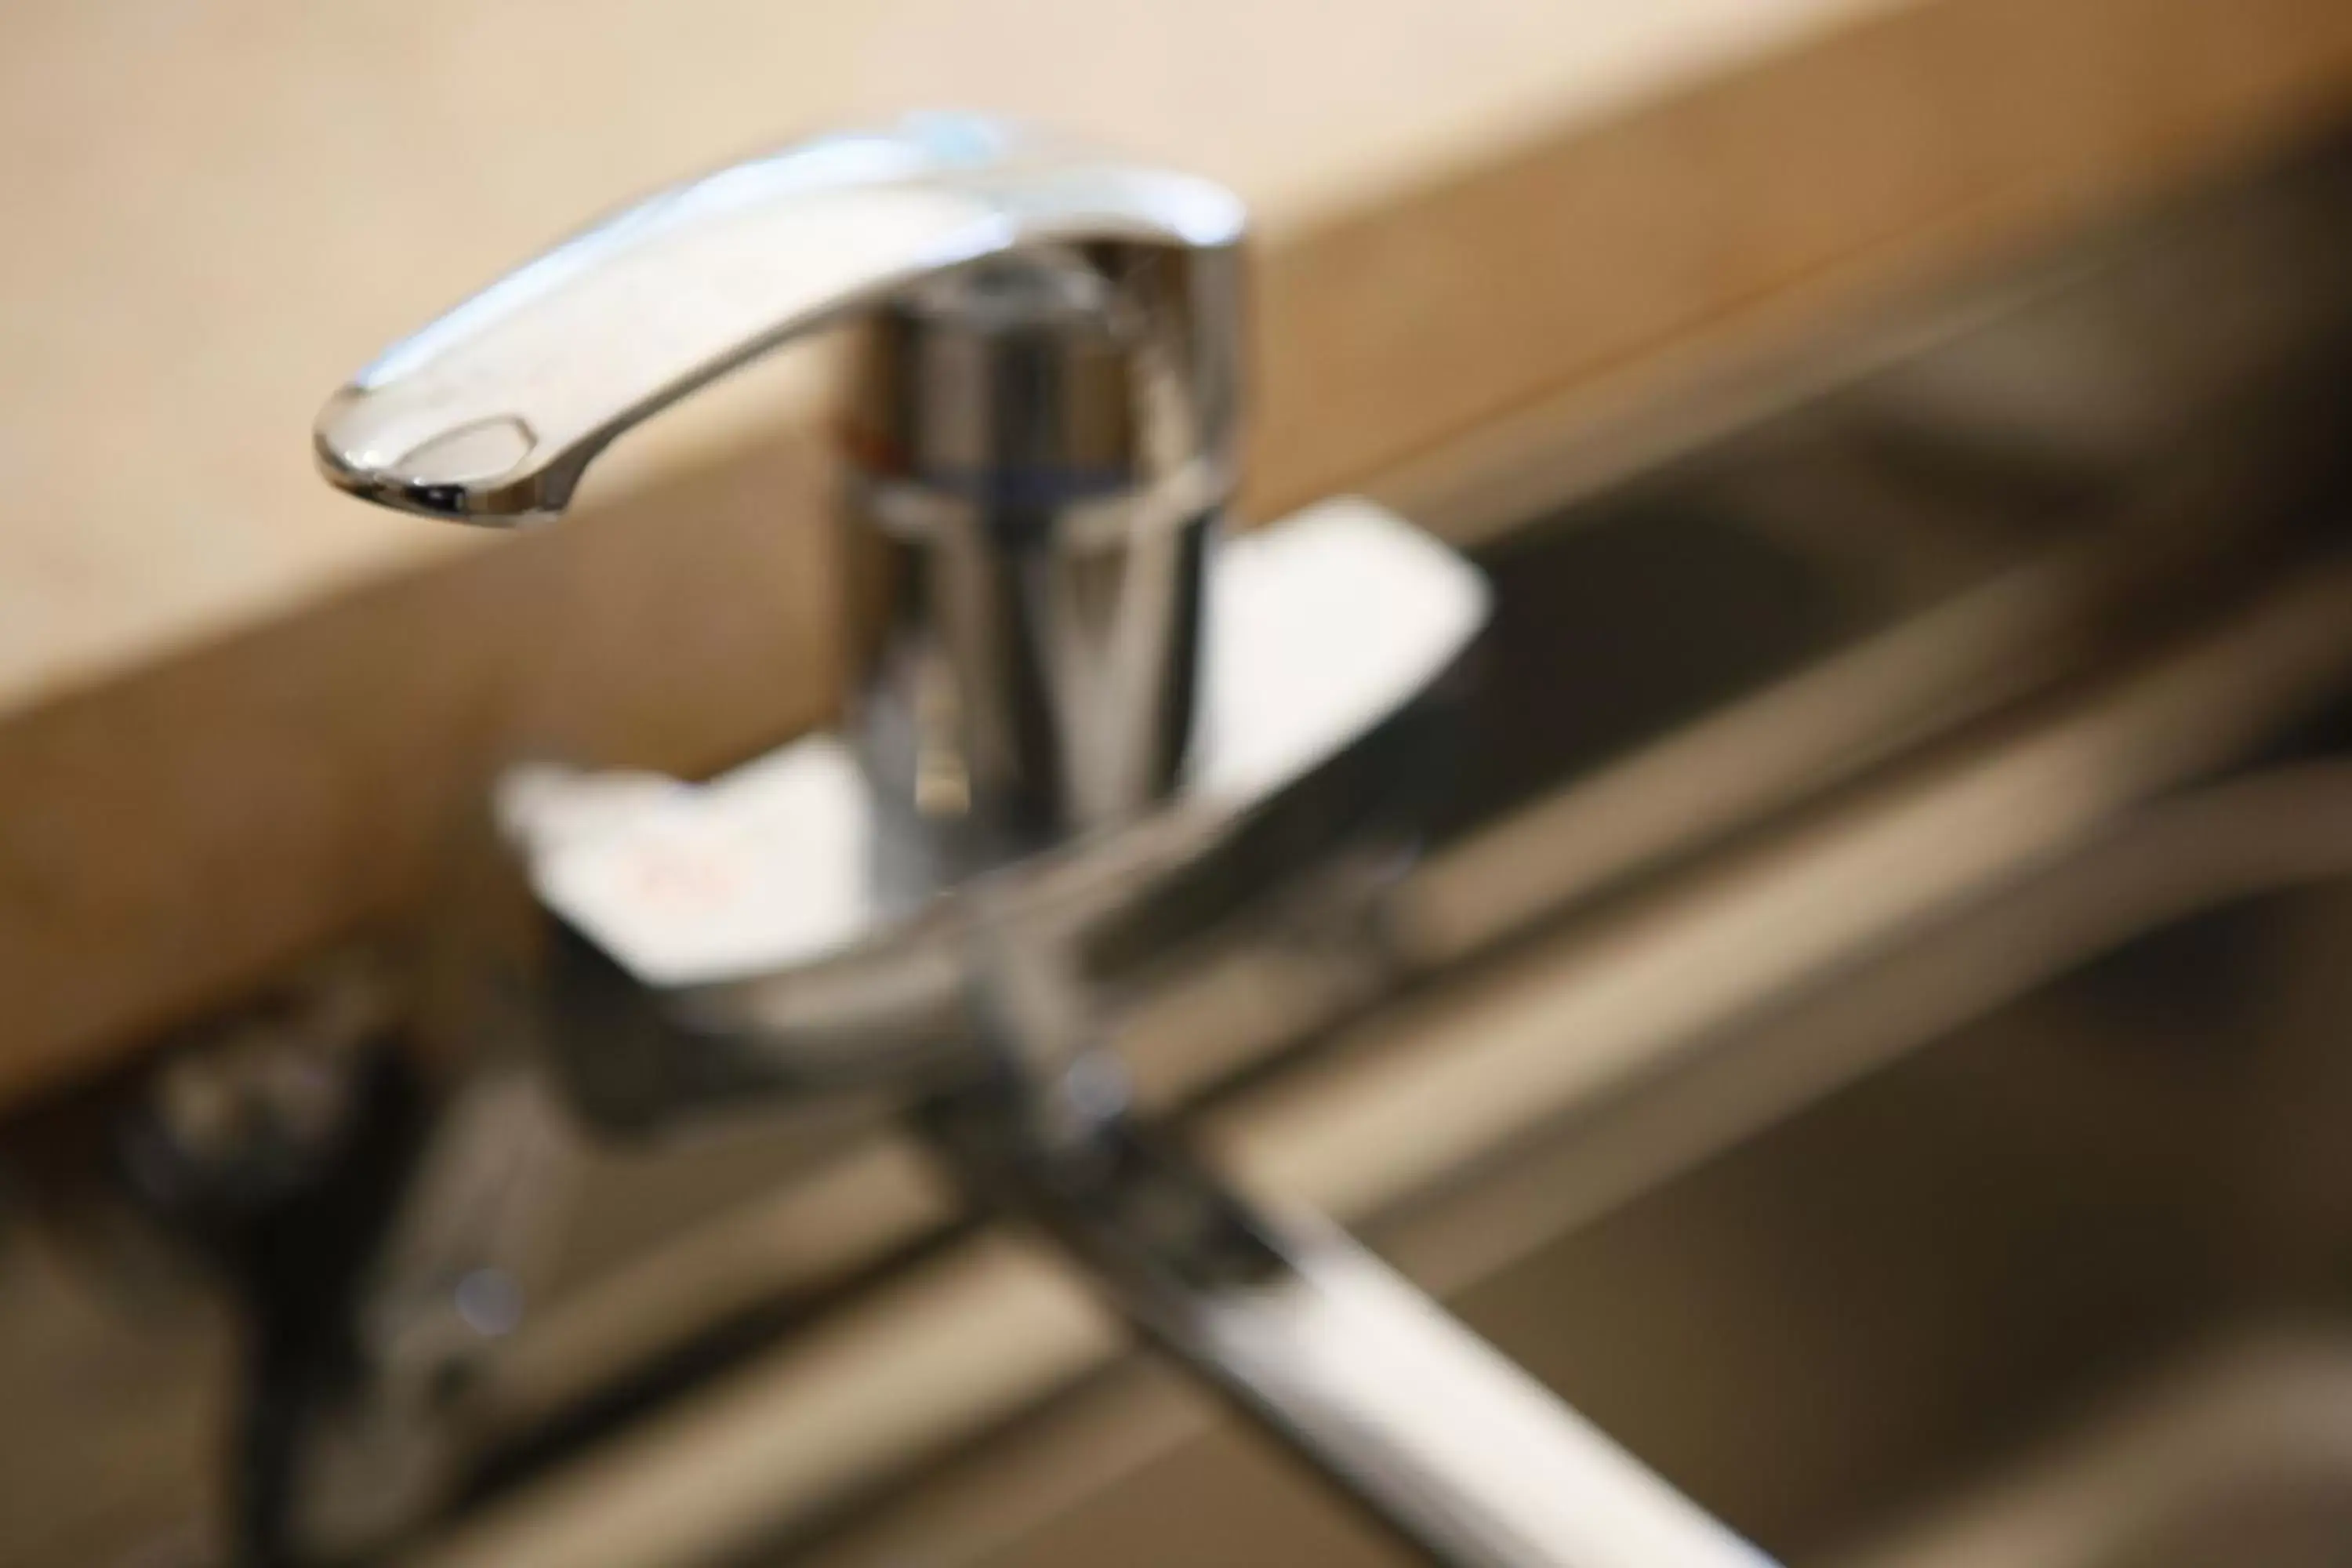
[{"x": 1087, "y": 736}]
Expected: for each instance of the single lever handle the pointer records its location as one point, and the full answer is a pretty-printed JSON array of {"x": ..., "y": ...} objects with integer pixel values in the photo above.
[{"x": 490, "y": 413}]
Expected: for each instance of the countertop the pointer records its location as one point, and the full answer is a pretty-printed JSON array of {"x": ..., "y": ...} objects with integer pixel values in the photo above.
[
  {"x": 240, "y": 716},
  {"x": 222, "y": 209}
]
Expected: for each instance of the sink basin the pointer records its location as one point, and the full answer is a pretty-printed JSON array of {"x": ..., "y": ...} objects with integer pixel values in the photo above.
[
  {"x": 2242, "y": 1455},
  {"x": 2086, "y": 1133}
]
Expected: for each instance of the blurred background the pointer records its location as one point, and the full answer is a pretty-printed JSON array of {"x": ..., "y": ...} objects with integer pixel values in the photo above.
[{"x": 1866, "y": 1018}]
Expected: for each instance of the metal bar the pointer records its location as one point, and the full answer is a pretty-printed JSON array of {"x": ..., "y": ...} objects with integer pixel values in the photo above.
[{"x": 1426, "y": 1426}]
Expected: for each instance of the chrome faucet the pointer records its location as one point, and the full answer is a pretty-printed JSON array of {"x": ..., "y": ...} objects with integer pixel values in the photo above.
[{"x": 1087, "y": 734}]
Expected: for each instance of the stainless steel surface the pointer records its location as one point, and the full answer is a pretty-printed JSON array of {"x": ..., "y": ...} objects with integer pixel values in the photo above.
[
  {"x": 1046, "y": 435},
  {"x": 1050, "y": 438}
]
